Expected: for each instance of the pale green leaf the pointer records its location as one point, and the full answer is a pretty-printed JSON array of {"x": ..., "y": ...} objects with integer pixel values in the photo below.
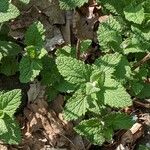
[
  {"x": 73, "y": 70},
  {"x": 115, "y": 94},
  {"x": 91, "y": 88},
  {"x": 134, "y": 13},
  {"x": 67, "y": 50},
  {"x": 85, "y": 44},
  {"x": 10, "y": 101},
  {"x": 115, "y": 7},
  {"x": 108, "y": 63},
  {"x": 138, "y": 42},
  {"x": 7, "y": 11},
  {"x": 76, "y": 106},
  {"x": 25, "y": 1},
  {"x": 134, "y": 47},
  {"x": 97, "y": 77},
  {"x": 92, "y": 129},
  {"x": 109, "y": 34},
  {"x": 71, "y": 4},
  {"x": 65, "y": 87},
  {"x": 10, "y": 131},
  {"x": 95, "y": 106},
  {"x": 142, "y": 33}
]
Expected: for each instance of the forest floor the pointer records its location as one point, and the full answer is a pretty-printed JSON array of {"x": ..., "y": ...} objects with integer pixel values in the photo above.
[{"x": 42, "y": 124}]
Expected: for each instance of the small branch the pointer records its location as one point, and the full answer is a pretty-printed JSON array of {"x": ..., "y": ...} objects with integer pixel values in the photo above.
[
  {"x": 78, "y": 49},
  {"x": 89, "y": 146},
  {"x": 145, "y": 105},
  {"x": 141, "y": 62}
]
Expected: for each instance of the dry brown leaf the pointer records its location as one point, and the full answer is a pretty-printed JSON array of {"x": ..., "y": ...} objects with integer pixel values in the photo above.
[
  {"x": 52, "y": 129},
  {"x": 130, "y": 137},
  {"x": 36, "y": 91},
  {"x": 57, "y": 104},
  {"x": 84, "y": 21},
  {"x": 103, "y": 18}
]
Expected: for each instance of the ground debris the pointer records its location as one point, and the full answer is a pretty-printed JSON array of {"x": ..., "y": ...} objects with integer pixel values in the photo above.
[
  {"x": 43, "y": 126},
  {"x": 45, "y": 129}
]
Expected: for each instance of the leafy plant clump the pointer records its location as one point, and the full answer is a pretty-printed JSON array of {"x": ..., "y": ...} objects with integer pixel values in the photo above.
[
  {"x": 96, "y": 93},
  {"x": 10, "y": 131}
]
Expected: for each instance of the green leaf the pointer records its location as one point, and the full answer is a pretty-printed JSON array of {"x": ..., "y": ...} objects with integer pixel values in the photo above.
[
  {"x": 33, "y": 53},
  {"x": 95, "y": 106},
  {"x": 7, "y": 11},
  {"x": 108, "y": 134},
  {"x": 76, "y": 106},
  {"x": 118, "y": 121},
  {"x": 122, "y": 70},
  {"x": 109, "y": 34},
  {"x": 35, "y": 35},
  {"x": 134, "y": 13},
  {"x": 141, "y": 73},
  {"x": 50, "y": 74},
  {"x": 71, "y": 4},
  {"x": 4, "y": 32},
  {"x": 73, "y": 70},
  {"x": 9, "y": 49},
  {"x": 134, "y": 45},
  {"x": 138, "y": 41},
  {"x": 25, "y": 1},
  {"x": 10, "y": 101},
  {"x": 29, "y": 69},
  {"x": 9, "y": 132},
  {"x": 108, "y": 63},
  {"x": 97, "y": 77},
  {"x": 51, "y": 93},
  {"x": 91, "y": 88},
  {"x": 143, "y": 147},
  {"x": 115, "y": 94},
  {"x": 85, "y": 44},
  {"x": 137, "y": 87},
  {"x": 145, "y": 91},
  {"x": 92, "y": 129},
  {"x": 67, "y": 50},
  {"x": 9, "y": 66},
  {"x": 65, "y": 86},
  {"x": 115, "y": 7}
]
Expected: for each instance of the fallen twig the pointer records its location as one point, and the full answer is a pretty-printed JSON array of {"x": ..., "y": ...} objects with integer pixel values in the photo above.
[
  {"x": 145, "y": 105},
  {"x": 78, "y": 49},
  {"x": 141, "y": 62}
]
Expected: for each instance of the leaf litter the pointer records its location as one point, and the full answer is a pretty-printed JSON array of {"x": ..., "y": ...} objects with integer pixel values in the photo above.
[{"x": 43, "y": 125}]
